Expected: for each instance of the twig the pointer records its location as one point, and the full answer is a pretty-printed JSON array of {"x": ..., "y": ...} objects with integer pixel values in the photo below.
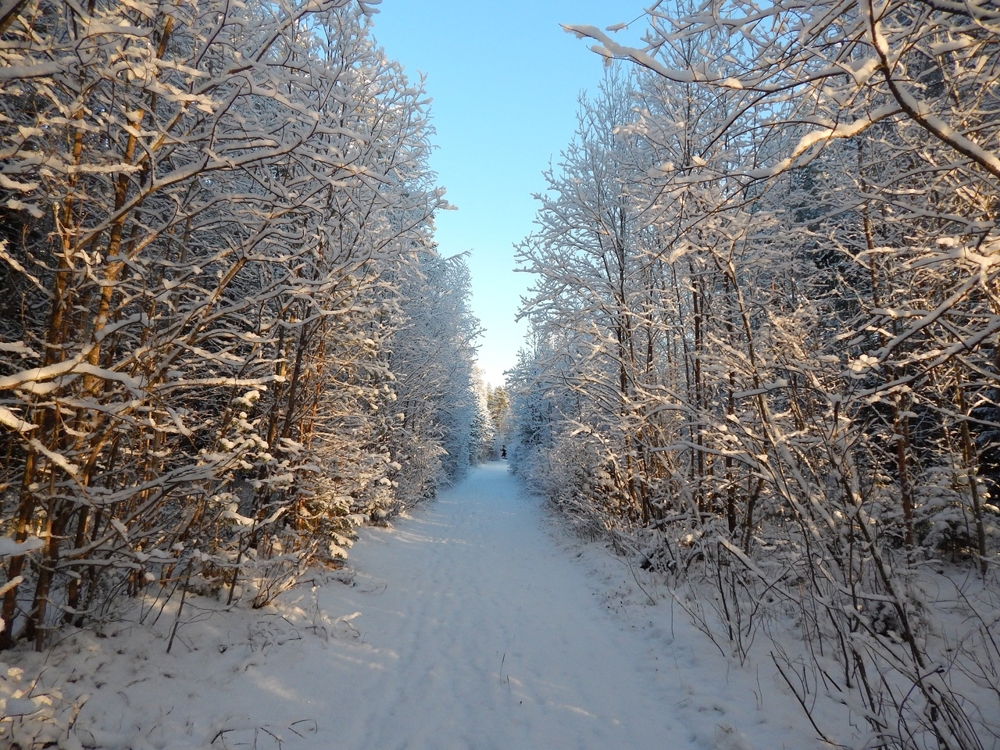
[{"x": 799, "y": 698}]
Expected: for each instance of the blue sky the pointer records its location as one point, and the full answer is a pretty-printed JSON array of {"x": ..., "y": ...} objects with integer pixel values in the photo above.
[{"x": 505, "y": 80}]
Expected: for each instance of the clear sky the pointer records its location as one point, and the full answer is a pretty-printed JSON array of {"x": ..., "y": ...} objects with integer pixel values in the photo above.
[{"x": 505, "y": 80}]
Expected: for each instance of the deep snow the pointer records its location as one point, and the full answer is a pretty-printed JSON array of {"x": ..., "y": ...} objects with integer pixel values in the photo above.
[{"x": 475, "y": 623}]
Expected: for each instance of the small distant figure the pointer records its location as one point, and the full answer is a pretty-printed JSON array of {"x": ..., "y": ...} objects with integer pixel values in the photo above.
[{"x": 503, "y": 451}]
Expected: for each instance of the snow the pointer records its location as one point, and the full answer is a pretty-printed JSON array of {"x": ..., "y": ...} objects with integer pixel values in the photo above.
[
  {"x": 477, "y": 622},
  {"x": 9, "y": 547},
  {"x": 14, "y": 422}
]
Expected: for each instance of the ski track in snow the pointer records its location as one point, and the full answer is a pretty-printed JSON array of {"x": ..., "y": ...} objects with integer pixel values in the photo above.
[{"x": 483, "y": 634}]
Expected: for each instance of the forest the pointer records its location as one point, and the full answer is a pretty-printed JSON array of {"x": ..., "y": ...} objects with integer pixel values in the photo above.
[
  {"x": 765, "y": 356},
  {"x": 227, "y": 336},
  {"x": 764, "y": 351}
]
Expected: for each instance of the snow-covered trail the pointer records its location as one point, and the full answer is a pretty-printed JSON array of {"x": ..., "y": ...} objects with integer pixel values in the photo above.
[
  {"x": 482, "y": 633},
  {"x": 469, "y": 625}
]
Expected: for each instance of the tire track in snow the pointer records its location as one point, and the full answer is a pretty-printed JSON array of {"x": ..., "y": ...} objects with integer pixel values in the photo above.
[{"x": 486, "y": 636}]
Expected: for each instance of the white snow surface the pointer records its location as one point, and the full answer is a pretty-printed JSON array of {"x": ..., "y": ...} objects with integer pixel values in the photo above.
[{"x": 474, "y": 623}]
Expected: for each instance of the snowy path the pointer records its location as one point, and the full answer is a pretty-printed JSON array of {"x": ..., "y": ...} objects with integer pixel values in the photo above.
[
  {"x": 483, "y": 634},
  {"x": 465, "y": 627}
]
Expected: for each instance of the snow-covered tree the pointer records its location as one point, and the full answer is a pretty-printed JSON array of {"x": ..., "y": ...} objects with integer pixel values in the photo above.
[
  {"x": 818, "y": 230},
  {"x": 432, "y": 358},
  {"x": 483, "y": 439},
  {"x": 209, "y": 212},
  {"x": 498, "y": 405}
]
